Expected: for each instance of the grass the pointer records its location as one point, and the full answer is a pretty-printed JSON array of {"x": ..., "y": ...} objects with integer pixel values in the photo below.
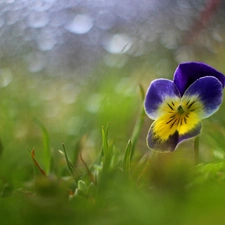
[{"x": 76, "y": 154}]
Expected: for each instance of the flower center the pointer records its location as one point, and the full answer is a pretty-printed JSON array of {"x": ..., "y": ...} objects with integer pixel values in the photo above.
[
  {"x": 180, "y": 109},
  {"x": 179, "y": 112},
  {"x": 178, "y": 115}
]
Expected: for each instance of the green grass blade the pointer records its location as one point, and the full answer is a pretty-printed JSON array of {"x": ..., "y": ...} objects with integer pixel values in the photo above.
[
  {"x": 69, "y": 164},
  {"x": 46, "y": 146},
  {"x": 76, "y": 150},
  {"x": 139, "y": 123},
  {"x": 1, "y": 148},
  {"x": 105, "y": 146},
  {"x": 106, "y": 157},
  {"x": 127, "y": 157}
]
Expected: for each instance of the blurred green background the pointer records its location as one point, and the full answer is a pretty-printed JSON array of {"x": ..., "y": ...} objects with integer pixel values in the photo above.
[{"x": 69, "y": 68}]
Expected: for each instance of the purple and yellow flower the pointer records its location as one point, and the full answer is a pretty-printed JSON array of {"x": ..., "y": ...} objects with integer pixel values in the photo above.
[{"x": 178, "y": 106}]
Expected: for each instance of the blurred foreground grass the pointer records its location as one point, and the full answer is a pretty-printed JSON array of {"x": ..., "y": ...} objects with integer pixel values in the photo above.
[{"x": 106, "y": 178}]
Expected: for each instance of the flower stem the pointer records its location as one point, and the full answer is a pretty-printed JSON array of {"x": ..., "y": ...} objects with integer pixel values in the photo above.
[{"x": 196, "y": 150}]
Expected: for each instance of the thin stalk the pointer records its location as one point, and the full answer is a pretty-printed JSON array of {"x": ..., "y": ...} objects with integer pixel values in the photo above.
[{"x": 196, "y": 150}]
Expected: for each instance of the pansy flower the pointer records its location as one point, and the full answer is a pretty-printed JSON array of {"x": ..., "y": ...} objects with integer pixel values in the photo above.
[{"x": 178, "y": 106}]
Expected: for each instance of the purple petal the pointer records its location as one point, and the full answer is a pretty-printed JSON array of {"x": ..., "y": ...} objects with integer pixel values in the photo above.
[
  {"x": 192, "y": 133},
  {"x": 188, "y": 73},
  {"x": 157, "y": 92},
  {"x": 209, "y": 92},
  {"x": 155, "y": 143}
]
